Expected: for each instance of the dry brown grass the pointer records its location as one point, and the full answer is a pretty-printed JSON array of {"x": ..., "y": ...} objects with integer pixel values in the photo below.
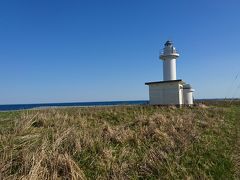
[{"x": 125, "y": 142}]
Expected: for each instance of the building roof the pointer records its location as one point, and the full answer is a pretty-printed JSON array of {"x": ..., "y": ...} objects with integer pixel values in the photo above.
[
  {"x": 187, "y": 86},
  {"x": 160, "y": 82}
]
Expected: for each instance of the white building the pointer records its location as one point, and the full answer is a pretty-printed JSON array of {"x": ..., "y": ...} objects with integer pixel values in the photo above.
[{"x": 170, "y": 91}]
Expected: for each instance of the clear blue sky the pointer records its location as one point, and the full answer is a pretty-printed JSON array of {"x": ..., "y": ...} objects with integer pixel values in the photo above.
[{"x": 101, "y": 50}]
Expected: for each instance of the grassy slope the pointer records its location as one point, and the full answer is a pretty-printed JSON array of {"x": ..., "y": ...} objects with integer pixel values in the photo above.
[{"x": 131, "y": 142}]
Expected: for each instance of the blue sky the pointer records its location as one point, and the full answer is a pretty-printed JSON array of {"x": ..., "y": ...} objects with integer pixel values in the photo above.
[{"x": 91, "y": 50}]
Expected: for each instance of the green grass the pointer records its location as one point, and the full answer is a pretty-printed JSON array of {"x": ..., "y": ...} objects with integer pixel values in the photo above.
[
  {"x": 122, "y": 142},
  {"x": 211, "y": 155}
]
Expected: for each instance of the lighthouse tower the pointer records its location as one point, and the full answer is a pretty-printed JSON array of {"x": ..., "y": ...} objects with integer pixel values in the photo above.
[
  {"x": 169, "y": 57},
  {"x": 170, "y": 91}
]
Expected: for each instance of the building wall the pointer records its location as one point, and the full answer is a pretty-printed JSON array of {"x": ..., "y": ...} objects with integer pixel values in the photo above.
[
  {"x": 181, "y": 94},
  {"x": 165, "y": 94},
  {"x": 188, "y": 97}
]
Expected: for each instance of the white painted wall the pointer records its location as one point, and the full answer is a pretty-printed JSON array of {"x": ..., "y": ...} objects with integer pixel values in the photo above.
[
  {"x": 169, "y": 69},
  {"x": 188, "y": 96},
  {"x": 181, "y": 100},
  {"x": 165, "y": 94}
]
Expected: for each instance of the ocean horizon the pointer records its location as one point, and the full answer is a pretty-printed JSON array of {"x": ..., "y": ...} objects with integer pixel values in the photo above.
[{"x": 15, "y": 107}]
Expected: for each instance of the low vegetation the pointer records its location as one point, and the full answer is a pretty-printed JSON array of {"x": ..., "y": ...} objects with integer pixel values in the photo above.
[{"x": 121, "y": 142}]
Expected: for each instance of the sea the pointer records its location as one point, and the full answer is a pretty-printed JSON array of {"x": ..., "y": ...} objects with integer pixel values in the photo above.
[{"x": 15, "y": 107}]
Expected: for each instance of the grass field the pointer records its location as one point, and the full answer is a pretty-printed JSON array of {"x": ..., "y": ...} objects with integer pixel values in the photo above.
[{"x": 122, "y": 142}]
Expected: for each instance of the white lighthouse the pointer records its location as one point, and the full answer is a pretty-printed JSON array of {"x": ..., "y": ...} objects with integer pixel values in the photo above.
[
  {"x": 169, "y": 57},
  {"x": 170, "y": 91}
]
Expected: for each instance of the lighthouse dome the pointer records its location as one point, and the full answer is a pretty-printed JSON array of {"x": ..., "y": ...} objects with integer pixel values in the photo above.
[
  {"x": 169, "y": 48},
  {"x": 168, "y": 43},
  {"x": 169, "y": 51}
]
